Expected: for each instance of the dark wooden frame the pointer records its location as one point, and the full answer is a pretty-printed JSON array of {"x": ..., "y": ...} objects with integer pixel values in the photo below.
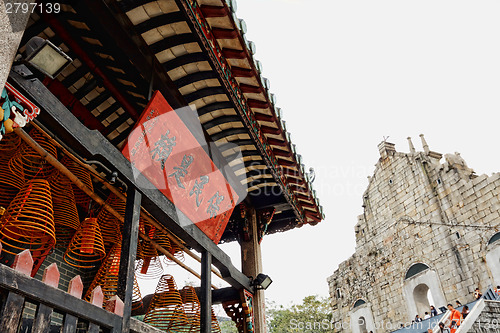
[{"x": 91, "y": 144}]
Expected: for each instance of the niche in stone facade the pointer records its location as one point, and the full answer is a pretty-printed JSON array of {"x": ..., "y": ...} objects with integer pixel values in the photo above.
[
  {"x": 493, "y": 257},
  {"x": 362, "y": 325},
  {"x": 421, "y": 289},
  {"x": 362, "y": 317}
]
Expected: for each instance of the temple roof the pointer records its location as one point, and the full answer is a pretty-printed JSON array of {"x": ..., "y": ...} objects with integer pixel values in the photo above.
[{"x": 197, "y": 54}]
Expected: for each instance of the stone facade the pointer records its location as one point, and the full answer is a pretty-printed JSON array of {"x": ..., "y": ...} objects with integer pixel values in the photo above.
[
  {"x": 13, "y": 21},
  {"x": 489, "y": 319},
  {"x": 427, "y": 236}
]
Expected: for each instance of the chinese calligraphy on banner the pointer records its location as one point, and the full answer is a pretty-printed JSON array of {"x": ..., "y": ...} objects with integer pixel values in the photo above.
[{"x": 163, "y": 149}]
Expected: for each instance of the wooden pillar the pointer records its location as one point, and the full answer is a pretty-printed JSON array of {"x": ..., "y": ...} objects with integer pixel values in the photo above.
[
  {"x": 251, "y": 261},
  {"x": 130, "y": 235},
  {"x": 206, "y": 292}
]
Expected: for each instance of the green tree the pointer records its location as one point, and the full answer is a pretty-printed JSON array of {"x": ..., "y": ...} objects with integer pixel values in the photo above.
[
  {"x": 227, "y": 326},
  {"x": 313, "y": 315}
]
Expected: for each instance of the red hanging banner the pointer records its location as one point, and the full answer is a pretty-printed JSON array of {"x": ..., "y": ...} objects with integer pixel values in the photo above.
[{"x": 163, "y": 149}]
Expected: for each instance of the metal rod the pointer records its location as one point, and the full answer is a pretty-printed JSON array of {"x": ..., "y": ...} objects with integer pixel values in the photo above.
[
  {"x": 206, "y": 293},
  {"x": 128, "y": 254}
]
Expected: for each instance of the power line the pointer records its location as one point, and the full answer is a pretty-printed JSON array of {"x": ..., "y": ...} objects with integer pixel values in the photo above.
[{"x": 409, "y": 220}]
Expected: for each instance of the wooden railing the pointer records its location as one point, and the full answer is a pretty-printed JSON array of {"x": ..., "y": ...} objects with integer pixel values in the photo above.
[{"x": 29, "y": 303}]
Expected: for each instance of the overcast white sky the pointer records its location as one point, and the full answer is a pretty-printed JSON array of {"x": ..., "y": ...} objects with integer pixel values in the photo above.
[{"x": 348, "y": 72}]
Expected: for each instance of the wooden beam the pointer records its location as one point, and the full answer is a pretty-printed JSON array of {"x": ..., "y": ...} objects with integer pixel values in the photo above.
[
  {"x": 22, "y": 286},
  {"x": 242, "y": 72},
  {"x": 11, "y": 312},
  {"x": 118, "y": 26},
  {"x": 264, "y": 117},
  {"x": 221, "y": 33},
  {"x": 128, "y": 254},
  {"x": 206, "y": 293},
  {"x": 214, "y": 11},
  {"x": 92, "y": 144},
  {"x": 270, "y": 130},
  {"x": 234, "y": 54},
  {"x": 247, "y": 88},
  {"x": 256, "y": 104}
]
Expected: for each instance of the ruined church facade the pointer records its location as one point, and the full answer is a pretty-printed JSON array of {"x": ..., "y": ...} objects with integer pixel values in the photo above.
[{"x": 428, "y": 235}]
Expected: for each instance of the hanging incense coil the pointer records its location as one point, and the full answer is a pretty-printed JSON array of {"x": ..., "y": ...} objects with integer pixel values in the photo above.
[
  {"x": 84, "y": 175},
  {"x": 177, "y": 252},
  {"x": 166, "y": 310},
  {"x": 107, "y": 275},
  {"x": 192, "y": 308},
  {"x": 142, "y": 224},
  {"x": 27, "y": 163},
  {"x": 146, "y": 250},
  {"x": 65, "y": 211},
  {"x": 86, "y": 248},
  {"x": 215, "y": 323},
  {"x": 136, "y": 296},
  {"x": 148, "y": 268},
  {"x": 110, "y": 226},
  {"x": 10, "y": 184},
  {"x": 107, "y": 278},
  {"x": 28, "y": 222},
  {"x": 148, "y": 264},
  {"x": 161, "y": 239},
  {"x": 9, "y": 145}
]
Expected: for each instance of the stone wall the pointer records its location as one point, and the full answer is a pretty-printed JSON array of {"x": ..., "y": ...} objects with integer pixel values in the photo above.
[
  {"x": 489, "y": 319},
  {"x": 13, "y": 21},
  {"x": 67, "y": 271},
  {"x": 417, "y": 210}
]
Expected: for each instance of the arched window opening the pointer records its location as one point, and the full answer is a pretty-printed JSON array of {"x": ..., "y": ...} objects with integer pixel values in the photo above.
[
  {"x": 494, "y": 238},
  {"x": 421, "y": 297},
  {"x": 415, "y": 269},
  {"x": 359, "y": 302},
  {"x": 362, "y": 325}
]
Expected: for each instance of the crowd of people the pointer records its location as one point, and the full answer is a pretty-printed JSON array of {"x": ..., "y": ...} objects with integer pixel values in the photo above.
[{"x": 456, "y": 316}]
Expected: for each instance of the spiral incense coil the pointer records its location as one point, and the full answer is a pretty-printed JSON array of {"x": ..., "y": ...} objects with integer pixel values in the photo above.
[
  {"x": 166, "y": 310},
  {"x": 177, "y": 252},
  {"x": 107, "y": 275},
  {"x": 86, "y": 248},
  {"x": 110, "y": 226},
  {"x": 60, "y": 186},
  {"x": 81, "y": 198},
  {"x": 27, "y": 163},
  {"x": 136, "y": 296},
  {"x": 65, "y": 211},
  {"x": 142, "y": 224},
  {"x": 9, "y": 145},
  {"x": 148, "y": 268},
  {"x": 192, "y": 308},
  {"x": 10, "y": 184},
  {"x": 161, "y": 239},
  {"x": 28, "y": 222},
  {"x": 215, "y": 323},
  {"x": 148, "y": 264}
]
